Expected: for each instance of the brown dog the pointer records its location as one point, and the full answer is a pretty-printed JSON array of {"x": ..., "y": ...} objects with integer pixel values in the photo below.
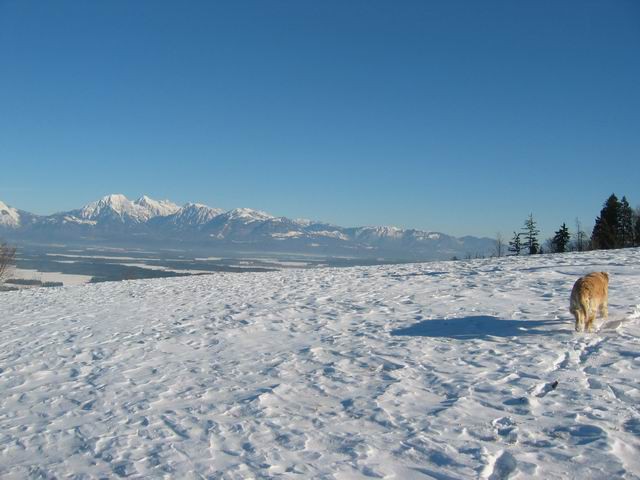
[{"x": 589, "y": 296}]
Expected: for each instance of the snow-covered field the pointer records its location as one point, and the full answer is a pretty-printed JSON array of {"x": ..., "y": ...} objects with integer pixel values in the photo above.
[
  {"x": 66, "y": 278},
  {"x": 436, "y": 370}
]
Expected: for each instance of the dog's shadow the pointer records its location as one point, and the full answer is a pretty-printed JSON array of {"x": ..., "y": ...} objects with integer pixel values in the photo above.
[{"x": 482, "y": 327}]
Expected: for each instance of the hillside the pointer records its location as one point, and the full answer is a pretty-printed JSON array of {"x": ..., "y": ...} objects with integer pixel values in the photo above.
[{"x": 437, "y": 370}]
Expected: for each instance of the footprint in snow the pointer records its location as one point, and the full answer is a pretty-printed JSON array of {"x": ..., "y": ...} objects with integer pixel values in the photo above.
[
  {"x": 502, "y": 467},
  {"x": 580, "y": 434},
  {"x": 506, "y": 429}
]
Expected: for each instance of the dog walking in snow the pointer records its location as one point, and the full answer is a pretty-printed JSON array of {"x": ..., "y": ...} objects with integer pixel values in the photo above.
[{"x": 589, "y": 296}]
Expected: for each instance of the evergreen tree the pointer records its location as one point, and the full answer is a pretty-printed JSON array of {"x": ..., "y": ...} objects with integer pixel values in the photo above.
[
  {"x": 561, "y": 239},
  {"x": 605, "y": 231},
  {"x": 515, "y": 246},
  {"x": 601, "y": 236},
  {"x": 625, "y": 224},
  {"x": 530, "y": 232}
]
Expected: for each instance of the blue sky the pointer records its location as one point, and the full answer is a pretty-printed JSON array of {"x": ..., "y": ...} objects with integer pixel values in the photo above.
[{"x": 457, "y": 116}]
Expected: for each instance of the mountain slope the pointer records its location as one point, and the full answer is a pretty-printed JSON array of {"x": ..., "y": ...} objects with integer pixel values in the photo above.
[
  {"x": 190, "y": 215},
  {"x": 9, "y": 217},
  {"x": 156, "y": 208}
]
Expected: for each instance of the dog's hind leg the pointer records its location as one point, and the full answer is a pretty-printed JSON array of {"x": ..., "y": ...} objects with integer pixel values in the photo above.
[
  {"x": 604, "y": 310},
  {"x": 580, "y": 318},
  {"x": 591, "y": 317}
]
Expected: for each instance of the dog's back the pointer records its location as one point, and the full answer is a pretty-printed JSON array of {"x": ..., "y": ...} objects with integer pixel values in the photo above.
[{"x": 589, "y": 295}]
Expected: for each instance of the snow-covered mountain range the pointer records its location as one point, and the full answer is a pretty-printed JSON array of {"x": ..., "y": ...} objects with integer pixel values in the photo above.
[{"x": 118, "y": 220}]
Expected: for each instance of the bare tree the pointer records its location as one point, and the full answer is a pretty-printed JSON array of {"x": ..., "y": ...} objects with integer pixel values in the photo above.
[
  {"x": 549, "y": 246},
  {"x": 7, "y": 260},
  {"x": 498, "y": 250},
  {"x": 580, "y": 237}
]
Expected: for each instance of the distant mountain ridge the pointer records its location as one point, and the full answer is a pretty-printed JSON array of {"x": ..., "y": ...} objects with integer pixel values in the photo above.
[{"x": 115, "y": 219}]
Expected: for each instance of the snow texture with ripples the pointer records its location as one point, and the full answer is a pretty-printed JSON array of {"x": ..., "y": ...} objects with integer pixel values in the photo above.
[{"x": 445, "y": 370}]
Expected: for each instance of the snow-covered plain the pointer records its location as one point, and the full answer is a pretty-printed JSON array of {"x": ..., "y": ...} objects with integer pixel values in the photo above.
[
  {"x": 66, "y": 278},
  {"x": 438, "y": 370}
]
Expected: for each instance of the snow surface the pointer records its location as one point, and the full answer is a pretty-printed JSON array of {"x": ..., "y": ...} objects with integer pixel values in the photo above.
[
  {"x": 330, "y": 234},
  {"x": 65, "y": 278},
  {"x": 439, "y": 370},
  {"x": 79, "y": 221},
  {"x": 380, "y": 232}
]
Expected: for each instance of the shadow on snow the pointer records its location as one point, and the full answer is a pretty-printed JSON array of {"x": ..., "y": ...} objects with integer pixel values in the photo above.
[{"x": 480, "y": 327}]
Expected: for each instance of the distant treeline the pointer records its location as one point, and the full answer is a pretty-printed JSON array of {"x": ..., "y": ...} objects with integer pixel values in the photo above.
[
  {"x": 617, "y": 226},
  {"x": 33, "y": 282}
]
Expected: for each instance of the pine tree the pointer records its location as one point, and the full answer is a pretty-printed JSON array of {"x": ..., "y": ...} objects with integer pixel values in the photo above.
[
  {"x": 561, "y": 239},
  {"x": 515, "y": 246},
  {"x": 530, "y": 232},
  {"x": 625, "y": 224},
  {"x": 601, "y": 237},
  {"x": 605, "y": 231}
]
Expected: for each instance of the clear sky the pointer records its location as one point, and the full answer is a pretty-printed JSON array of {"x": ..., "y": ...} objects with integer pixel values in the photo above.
[{"x": 456, "y": 116}]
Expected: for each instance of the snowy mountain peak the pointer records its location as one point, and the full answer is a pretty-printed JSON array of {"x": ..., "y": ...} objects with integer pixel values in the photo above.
[
  {"x": 193, "y": 214},
  {"x": 112, "y": 205},
  {"x": 9, "y": 217},
  {"x": 157, "y": 207},
  {"x": 114, "y": 199},
  {"x": 248, "y": 214},
  {"x": 196, "y": 206},
  {"x": 118, "y": 207}
]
